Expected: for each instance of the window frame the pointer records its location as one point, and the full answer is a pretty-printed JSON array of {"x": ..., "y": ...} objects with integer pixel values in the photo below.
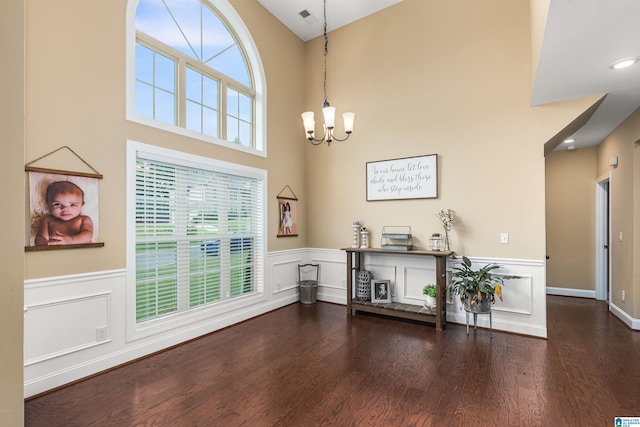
[
  {"x": 256, "y": 71},
  {"x": 137, "y": 330}
]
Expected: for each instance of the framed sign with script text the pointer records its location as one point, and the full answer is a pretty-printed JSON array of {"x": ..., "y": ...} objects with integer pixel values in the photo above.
[{"x": 406, "y": 178}]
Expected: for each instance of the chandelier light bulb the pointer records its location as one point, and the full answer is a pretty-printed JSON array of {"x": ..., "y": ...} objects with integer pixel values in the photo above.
[
  {"x": 348, "y": 121},
  {"x": 329, "y": 116}
]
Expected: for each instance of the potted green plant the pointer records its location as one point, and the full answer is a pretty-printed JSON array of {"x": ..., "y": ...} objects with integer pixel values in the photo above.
[
  {"x": 430, "y": 291},
  {"x": 477, "y": 288}
]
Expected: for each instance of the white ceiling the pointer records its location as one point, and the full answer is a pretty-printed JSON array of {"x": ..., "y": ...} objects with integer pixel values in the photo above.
[
  {"x": 339, "y": 13},
  {"x": 582, "y": 37}
]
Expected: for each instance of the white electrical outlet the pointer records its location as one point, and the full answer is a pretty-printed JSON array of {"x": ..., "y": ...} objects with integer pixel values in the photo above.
[
  {"x": 278, "y": 285},
  {"x": 101, "y": 334},
  {"x": 620, "y": 236},
  {"x": 504, "y": 238},
  {"x": 622, "y": 296}
]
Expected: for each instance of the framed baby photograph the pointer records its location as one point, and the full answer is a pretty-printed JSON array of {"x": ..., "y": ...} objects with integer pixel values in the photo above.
[
  {"x": 288, "y": 215},
  {"x": 381, "y": 291},
  {"x": 63, "y": 211}
]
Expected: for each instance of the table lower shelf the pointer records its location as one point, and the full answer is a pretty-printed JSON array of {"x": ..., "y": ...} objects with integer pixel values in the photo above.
[{"x": 395, "y": 309}]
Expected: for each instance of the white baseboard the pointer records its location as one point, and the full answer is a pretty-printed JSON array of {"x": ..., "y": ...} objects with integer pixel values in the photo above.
[
  {"x": 631, "y": 322},
  {"x": 568, "y": 292},
  {"x": 628, "y": 320},
  {"x": 499, "y": 325}
]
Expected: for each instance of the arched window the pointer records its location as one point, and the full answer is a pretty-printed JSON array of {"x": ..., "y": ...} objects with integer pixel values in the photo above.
[{"x": 196, "y": 71}]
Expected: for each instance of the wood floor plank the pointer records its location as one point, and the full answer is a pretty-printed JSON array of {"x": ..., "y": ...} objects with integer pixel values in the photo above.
[{"x": 317, "y": 366}]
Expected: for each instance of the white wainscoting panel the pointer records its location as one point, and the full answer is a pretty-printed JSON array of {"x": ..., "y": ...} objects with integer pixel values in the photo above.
[
  {"x": 382, "y": 271},
  {"x": 518, "y": 296},
  {"x": 66, "y": 326},
  {"x": 333, "y": 273},
  {"x": 75, "y": 326},
  {"x": 285, "y": 274},
  {"x": 523, "y": 310},
  {"x": 416, "y": 278}
]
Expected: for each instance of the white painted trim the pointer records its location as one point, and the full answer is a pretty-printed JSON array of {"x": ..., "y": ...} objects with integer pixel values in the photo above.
[
  {"x": 602, "y": 198},
  {"x": 631, "y": 322},
  {"x": 501, "y": 261},
  {"x": 168, "y": 323},
  {"x": 73, "y": 278},
  {"x": 62, "y": 302},
  {"x": 568, "y": 292},
  {"x": 291, "y": 261}
]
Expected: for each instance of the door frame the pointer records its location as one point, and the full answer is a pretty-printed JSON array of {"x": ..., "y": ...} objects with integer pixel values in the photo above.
[{"x": 603, "y": 237}]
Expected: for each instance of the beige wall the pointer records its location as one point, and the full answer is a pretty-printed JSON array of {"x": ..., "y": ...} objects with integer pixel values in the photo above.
[
  {"x": 76, "y": 97},
  {"x": 570, "y": 216},
  {"x": 12, "y": 176},
  {"x": 459, "y": 87},
  {"x": 621, "y": 143}
]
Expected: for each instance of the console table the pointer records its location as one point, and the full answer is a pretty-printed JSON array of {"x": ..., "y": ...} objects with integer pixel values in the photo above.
[{"x": 436, "y": 315}]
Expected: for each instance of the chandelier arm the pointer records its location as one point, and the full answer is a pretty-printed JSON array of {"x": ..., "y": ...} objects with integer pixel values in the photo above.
[
  {"x": 314, "y": 141},
  {"x": 341, "y": 140}
]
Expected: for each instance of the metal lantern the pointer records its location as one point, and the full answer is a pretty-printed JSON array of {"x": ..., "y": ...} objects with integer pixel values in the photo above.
[
  {"x": 435, "y": 242},
  {"x": 363, "y": 290}
]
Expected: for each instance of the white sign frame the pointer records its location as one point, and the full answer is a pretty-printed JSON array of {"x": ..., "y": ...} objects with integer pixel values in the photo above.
[{"x": 403, "y": 179}]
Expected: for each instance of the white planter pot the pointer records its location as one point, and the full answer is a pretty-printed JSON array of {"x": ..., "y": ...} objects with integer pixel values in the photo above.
[{"x": 430, "y": 302}]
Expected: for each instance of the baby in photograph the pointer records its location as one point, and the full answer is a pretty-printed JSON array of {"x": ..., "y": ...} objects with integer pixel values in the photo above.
[{"x": 65, "y": 224}]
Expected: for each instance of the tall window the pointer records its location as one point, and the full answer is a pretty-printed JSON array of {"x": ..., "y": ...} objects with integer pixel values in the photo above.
[
  {"x": 193, "y": 73},
  {"x": 198, "y": 232}
]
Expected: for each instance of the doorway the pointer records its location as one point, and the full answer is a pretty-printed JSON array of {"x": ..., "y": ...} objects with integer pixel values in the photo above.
[{"x": 603, "y": 236}]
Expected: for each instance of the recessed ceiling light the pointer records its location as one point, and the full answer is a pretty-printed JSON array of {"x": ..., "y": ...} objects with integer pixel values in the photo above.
[
  {"x": 624, "y": 62},
  {"x": 569, "y": 141}
]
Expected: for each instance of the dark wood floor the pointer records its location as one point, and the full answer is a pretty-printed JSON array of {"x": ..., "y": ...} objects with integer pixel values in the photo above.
[{"x": 314, "y": 365}]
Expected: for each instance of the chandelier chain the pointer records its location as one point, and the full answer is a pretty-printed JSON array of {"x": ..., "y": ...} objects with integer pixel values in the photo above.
[{"x": 326, "y": 50}]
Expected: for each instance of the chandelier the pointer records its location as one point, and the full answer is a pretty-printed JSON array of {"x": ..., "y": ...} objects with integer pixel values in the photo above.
[{"x": 328, "y": 111}]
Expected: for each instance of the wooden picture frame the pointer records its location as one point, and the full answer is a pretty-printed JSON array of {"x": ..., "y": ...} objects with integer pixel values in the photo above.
[
  {"x": 381, "y": 291},
  {"x": 402, "y": 179},
  {"x": 48, "y": 230},
  {"x": 288, "y": 215}
]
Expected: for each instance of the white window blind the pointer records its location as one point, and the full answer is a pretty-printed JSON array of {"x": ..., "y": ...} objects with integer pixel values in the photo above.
[{"x": 198, "y": 232}]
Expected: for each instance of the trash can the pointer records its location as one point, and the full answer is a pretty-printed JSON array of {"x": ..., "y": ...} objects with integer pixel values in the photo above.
[
  {"x": 308, "y": 281},
  {"x": 308, "y": 292}
]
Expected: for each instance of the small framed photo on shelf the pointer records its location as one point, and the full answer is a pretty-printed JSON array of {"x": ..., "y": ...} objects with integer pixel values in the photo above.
[{"x": 381, "y": 291}]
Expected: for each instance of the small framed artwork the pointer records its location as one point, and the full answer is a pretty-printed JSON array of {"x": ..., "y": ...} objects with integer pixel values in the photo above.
[
  {"x": 288, "y": 217},
  {"x": 63, "y": 207},
  {"x": 380, "y": 291}
]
